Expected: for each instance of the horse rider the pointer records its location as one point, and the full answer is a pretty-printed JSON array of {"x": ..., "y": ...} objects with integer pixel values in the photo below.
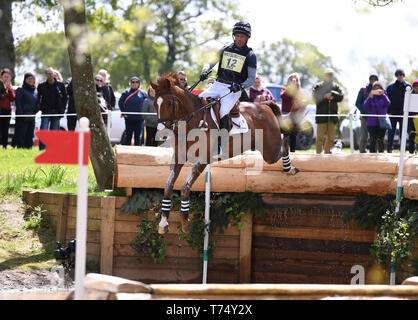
[{"x": 237, "y": 68}]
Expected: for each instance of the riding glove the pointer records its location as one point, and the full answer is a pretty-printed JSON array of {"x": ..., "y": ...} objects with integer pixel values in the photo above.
[{"x": 235, "y": 87}]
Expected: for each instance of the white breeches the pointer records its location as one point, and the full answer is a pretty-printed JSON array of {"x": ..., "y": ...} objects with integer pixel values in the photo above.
[{"x": 219, "y": 89}]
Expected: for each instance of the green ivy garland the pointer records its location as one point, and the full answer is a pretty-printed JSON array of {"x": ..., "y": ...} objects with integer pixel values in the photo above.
[
  {"x": 226, "y": 211},
  {"x": 395, "y": 230}
]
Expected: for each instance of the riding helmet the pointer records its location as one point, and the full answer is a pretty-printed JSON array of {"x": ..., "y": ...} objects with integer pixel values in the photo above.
[{"x": 242, "y": 27}]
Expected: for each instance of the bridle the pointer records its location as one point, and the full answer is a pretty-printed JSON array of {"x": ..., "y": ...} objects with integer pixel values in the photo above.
[{"x": 173, "y": 120}]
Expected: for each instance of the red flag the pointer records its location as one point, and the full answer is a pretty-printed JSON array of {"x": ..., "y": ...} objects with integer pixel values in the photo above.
[
  {"x": 62, "y": 147},
  {"x": 197, "y": 92}
]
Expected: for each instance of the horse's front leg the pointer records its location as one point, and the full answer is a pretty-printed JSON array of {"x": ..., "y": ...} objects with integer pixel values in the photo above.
[
  {"x": 197, "y": 169},
  {"x": 168, "y": 192}
]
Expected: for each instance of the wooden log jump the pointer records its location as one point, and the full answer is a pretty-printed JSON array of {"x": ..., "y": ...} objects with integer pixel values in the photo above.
[{"x": 373, "y": 174}]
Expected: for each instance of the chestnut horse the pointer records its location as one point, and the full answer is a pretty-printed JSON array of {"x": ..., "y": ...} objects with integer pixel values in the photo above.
[{"x": 174, "y": 105}]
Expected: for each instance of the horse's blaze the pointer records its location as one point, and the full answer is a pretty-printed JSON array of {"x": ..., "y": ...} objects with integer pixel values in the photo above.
[{"x": 159, "y": 103}]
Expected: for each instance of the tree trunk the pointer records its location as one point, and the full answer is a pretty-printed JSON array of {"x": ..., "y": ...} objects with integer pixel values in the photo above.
[
  {"x": 101, "y": 153},
  {"x": 7, "y": 49}
]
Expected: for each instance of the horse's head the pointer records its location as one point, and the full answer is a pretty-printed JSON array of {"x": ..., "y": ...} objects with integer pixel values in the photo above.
[{"x": 168, "y": 100}]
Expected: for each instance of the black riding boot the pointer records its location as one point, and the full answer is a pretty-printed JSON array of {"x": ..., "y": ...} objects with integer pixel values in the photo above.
[{"x": 226, "y": 123}]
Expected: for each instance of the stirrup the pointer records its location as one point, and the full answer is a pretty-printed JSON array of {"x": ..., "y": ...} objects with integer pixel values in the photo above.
[{"x": 203, "y": 125}]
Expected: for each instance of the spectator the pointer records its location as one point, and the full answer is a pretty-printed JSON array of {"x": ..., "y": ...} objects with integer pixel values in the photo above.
[
  {"x": 132, "y": 100},
  {"x": 27, "y": 103},
  {"x": 258, "y": 93},
  {"x": 58, "y": 76},
  {"x": 101, "y": 92},
  {"x": 327, "y": 94},
  {"x": 182, "y": 80},
  {"x": 396, "y": 94},
  {"x": 376, "y": 103},
  {"x": 108, "y": 93},
  {"x": 7, "y": 95},
  {"x": 413, "y": 123},
  {"x": 151, "y": 121},
  {"x": 53, "y": 98},
  {"x": 293, "y": 97},
  {"x": 361, "y": 97},
  {"x": 71, "y": 120}
]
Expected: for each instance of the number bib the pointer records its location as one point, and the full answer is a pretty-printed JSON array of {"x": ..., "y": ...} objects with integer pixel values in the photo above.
[{"x": 232, "y": 61}]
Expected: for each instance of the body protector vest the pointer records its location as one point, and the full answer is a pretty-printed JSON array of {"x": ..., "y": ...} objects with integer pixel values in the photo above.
[{"x": 234, "y": 63}]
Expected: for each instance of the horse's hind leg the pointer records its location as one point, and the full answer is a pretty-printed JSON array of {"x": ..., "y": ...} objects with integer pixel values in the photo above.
[
  {"x": 287, "y": 164},
  {"x": 168, "y": 191},
  {"x": 197, "y": 169}
]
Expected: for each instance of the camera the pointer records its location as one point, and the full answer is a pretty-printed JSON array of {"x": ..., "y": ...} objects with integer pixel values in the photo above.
[{"x": 66, "y": 255}]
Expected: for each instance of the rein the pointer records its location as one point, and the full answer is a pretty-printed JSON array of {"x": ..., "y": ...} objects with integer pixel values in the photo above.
[{"x": 187, "y": 118}]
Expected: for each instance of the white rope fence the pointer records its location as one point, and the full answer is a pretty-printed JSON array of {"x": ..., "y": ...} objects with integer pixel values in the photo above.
[{"x": 351, "y": 117}]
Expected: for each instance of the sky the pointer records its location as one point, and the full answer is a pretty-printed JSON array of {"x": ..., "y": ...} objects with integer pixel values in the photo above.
[{"x": 342, "y": 30}]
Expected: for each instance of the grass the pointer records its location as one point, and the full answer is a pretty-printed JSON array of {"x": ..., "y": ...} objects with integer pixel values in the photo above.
[
  {"x": 26, "y": 243},
  {"x": 19, "y": 171}
]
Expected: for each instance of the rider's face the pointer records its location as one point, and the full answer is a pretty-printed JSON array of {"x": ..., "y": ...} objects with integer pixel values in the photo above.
[{"x": 240, "y": 40}]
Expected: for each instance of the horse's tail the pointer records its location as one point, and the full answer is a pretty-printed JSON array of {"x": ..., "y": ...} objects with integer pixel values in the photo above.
[{"x": 275, "y": 108}]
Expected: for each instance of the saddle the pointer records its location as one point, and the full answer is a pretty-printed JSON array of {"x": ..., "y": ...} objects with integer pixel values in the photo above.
[{"x": 234, "y": 114}]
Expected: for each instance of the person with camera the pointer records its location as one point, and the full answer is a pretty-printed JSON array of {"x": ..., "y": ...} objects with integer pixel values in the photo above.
[
  {"x": 376, "y": 103},
  {"x": 7, "y": 95},
  {"x": 327, "y": 94}
]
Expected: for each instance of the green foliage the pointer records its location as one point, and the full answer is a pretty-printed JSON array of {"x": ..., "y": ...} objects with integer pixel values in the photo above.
[
  {"x": 34, "y": 219},
  {"x": 149, "y": 242},
  {"x": 368, "y": 211},
  {"x": 394, "y": 240},
  {"x": 196, "y": 236},
  {"x": 226, "y": 210},
  {"x": 142, "y": 201},
  {"x": 45, "y": 50},
  {"x": 280, "y": 59},
  {"x": 396, "y": 230}
]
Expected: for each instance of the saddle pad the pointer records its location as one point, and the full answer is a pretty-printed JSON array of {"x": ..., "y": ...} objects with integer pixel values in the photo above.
[{"x": 240, "y": 125}]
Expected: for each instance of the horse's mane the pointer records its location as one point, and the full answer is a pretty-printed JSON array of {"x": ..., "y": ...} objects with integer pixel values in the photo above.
[
  {"x": 167, "y": 80},
  {"x": 170, "y": 79}
]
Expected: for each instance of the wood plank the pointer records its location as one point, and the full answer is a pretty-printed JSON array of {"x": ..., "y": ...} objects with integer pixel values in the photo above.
[
  {"x": 323, "y": 257},
  {"x": 159, "y": 276},
  {"x": 302, "y": 267},
  {"x": 359, "y": 163},
  {"x": 315, "y": 233},
  {"x": 92, "y": 224},
  {"x": 155, "y": 177},
  {"x": 320, "y": 183},
  {"x": 62, "y": 217},
  {"x": 151, "y": 156},
  {"x": 120, "y": 201},
  {"x": 93, "y": 213},
  {"x": 51, "y": 209},
  {"x": 92, "y": 236},
  {"x": 92, "y": 201},
  {"x": 169, "y": 263},
  {"x": 175, "y": 252},
  {"x": 245, "y": 248},
  {"x": 48, "y": 198},
  {"x": 268, "y": 277},
  {"x": 313, "y": 245},
  {"x": 107, "y": 231},
  {"x": 293, "y": 217},
  {"x": 93, "y": 249}
]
